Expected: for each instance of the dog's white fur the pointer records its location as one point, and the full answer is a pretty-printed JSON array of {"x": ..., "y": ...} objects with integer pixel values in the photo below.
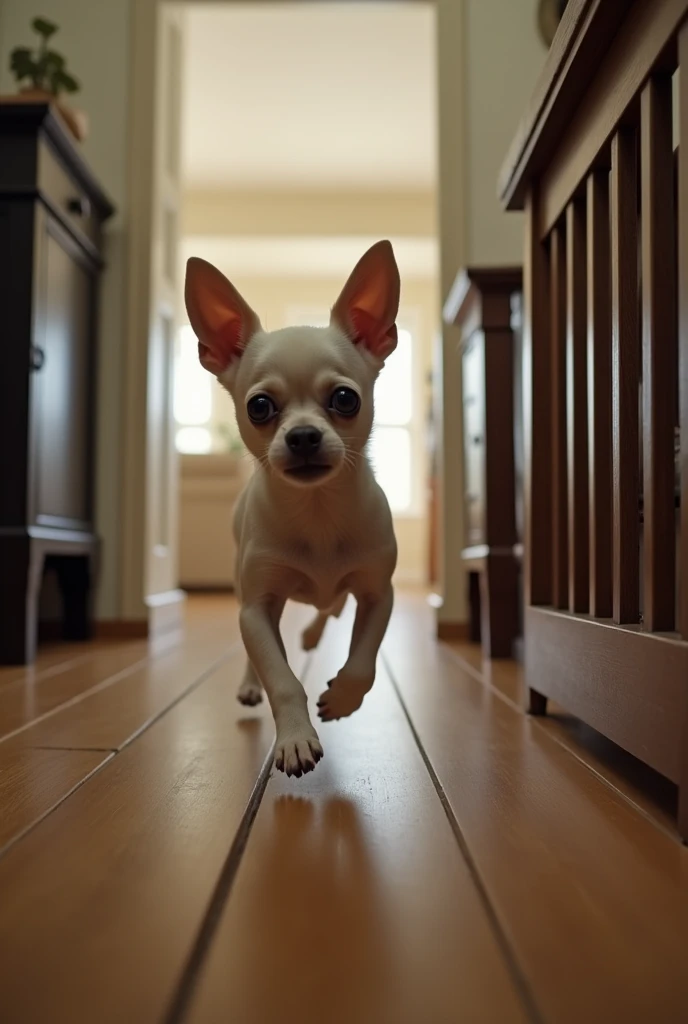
[{"x": 313, "y": 539}]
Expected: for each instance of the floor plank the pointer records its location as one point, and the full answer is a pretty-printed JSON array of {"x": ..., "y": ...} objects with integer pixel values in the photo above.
[
  {"x": 26, "y": 700},
  {"x": 32, "y": 782},
  {"x": 102, "y": 900},
  {"x": 593, "y": 896},
  {"x": 84, "y": 711},
  {"x": 55, "y": 658},
  {"x": 352, "y": 901},
  {"x": 64, "y": 673},
  {"x": 109, "y": 715},
  {"x": 650, "y": 792}
]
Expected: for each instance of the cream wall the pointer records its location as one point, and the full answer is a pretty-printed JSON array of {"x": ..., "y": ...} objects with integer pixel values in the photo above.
[
  {"x": 452, "y": 236},
  {"x": 503, "y": 58},
  {"x": 94, "y": 34},
  {"x": 412, "y": 214},
  {"x": 489, "y": 57}
]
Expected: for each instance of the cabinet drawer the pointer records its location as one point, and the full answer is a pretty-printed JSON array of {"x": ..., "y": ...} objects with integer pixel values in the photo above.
[{"x": 69, "y": 201}]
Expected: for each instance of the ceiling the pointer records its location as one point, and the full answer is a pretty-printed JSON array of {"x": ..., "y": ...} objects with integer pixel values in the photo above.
[{"x": 322, "y": 96}]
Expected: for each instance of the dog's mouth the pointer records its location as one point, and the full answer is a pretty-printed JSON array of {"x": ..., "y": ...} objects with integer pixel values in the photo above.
[{"x": 308, "y": 471}]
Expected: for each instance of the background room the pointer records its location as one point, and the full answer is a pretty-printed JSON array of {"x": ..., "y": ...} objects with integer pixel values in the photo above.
[{"x": 308, "y": 132}]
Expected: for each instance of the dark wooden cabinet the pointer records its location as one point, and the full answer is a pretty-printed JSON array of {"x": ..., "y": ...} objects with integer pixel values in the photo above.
[
  {"x": 482, "y": 303},
  {"x": 51, "y": 216}
]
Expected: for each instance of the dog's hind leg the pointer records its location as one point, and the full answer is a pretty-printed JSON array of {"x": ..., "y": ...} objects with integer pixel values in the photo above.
[
  {"x": 251, "y": 691},
  {"x": 312, "y": 634},
  {"x": 310, "y": 638}
]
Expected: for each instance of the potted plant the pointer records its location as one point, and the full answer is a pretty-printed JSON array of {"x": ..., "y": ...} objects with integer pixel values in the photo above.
[{"x": 46, "y": 76}]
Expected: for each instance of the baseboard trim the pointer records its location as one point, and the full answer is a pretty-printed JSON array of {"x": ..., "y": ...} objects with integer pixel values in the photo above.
[
  {"x": 452, "y": 630},
  {"x": 106, "y": 629},
  {"x": 208, "y": 588},
  {"x": 165, "y": 611},
  {"x": 121, "y": 629}
]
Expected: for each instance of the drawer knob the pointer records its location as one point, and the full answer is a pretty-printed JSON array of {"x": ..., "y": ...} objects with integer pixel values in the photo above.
[
  {"x": 80, "y": 206},
  {"x": 476, "y": 439},
  {"x": 37, "y": 357}
]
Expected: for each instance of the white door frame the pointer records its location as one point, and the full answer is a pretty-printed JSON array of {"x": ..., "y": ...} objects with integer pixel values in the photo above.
[{"x": 141, "y": 187}]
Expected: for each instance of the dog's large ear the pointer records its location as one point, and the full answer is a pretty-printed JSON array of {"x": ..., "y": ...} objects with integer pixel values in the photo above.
[
  {"x": 223, "y": 322},
  {"x": 368, "y": 305}
]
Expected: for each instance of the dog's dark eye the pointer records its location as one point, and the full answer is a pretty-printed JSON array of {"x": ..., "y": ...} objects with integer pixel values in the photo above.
[
  {"x": 345, "y": 402},
  {"x": 260, "y": 409}
]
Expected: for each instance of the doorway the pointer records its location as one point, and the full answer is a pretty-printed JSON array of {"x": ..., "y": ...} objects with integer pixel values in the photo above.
[{"x": 293, "y": 158}]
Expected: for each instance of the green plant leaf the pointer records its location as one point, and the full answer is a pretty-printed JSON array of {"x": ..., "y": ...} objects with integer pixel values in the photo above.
[
  {"x": 62, "y": 81},
  {"x": 44, "y": 27},
  {"x": 22, "y": 63},
  {"x": 53, "y": 61}
]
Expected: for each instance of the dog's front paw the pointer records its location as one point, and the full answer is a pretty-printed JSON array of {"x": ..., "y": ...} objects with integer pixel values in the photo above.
[
  {"x": 344, "y": 696},
  {"x": 297, "y": 753}
]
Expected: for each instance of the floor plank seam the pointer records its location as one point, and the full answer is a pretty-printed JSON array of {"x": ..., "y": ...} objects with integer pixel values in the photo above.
[
  {"x": 518, "y": 977},
  {"x": 65, "y": 796},
  {"x": 61, "y": 746},
  {"x": 198, "y": 681},
  {"x": 535, "y": 724},
  {"x": 103, "y": 685},
  {"x": 47, "y": 673},
  {"x": 115, "y": 752},
  {"x": 153, "y": 653},
  {"x": 188, "y": 982},
  {"x": 106, "y": 684},
  {"x": 157, "y": 648}
]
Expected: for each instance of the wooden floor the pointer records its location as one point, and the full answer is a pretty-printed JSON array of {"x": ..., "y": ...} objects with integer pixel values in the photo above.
[{"x": 450, "y": 860}]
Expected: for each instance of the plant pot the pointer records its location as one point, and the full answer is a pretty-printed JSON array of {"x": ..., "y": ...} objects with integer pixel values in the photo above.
[{"x": 76, "y": 120}]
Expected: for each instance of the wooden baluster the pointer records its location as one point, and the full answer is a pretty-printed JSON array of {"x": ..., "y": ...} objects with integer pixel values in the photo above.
[
  {"x": 625, "y": 377},
  {"x": 577, "y": 407},
  {"x": 537, "y": 421},
  {"x": 537, "y": 416},
  {"x": 560, "y": 548},
  {"x": 599, "y": 394},
  {"x": 683, "y": 382},
  {"x": 683, "y": 341},
  {"x": 660, "y": 354}
]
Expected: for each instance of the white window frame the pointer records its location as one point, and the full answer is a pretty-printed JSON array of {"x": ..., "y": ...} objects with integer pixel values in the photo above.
[
  {"x": 180, "y": 424},
  {"x": 410, "y": 319}
]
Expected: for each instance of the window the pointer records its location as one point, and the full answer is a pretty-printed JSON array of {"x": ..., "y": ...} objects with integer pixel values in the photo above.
[
  {"x": 394, "y": 437},
  {"x": 205, "y": 418},
  {"x": 391, "y": 449},
  {"x": 193, "y": 397}
]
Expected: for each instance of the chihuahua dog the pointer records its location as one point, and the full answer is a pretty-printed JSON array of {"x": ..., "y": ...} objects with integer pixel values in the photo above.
[{"x": 312, "y": 524}]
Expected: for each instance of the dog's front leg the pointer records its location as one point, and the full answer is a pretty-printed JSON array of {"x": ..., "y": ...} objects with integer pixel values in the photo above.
[
  {"x": 297, "y": 747},
  {"x": 348, "y": 689}
]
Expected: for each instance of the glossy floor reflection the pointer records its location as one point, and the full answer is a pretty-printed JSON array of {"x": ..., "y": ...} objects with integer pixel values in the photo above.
[{"x": 448, "y": 861}]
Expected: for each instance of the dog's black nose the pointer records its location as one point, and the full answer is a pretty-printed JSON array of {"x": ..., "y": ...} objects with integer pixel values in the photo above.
[{"x": 304, "y": 441}]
